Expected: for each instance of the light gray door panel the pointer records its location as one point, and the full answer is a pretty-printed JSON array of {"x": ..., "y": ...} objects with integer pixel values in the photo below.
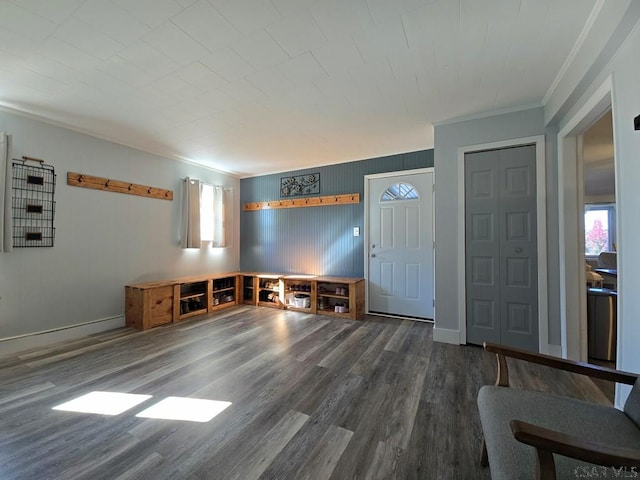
[
  {"x": 501, "y": 248},
  {"x": 482, "y": 249},
  {"x": 518, "y": 248}
]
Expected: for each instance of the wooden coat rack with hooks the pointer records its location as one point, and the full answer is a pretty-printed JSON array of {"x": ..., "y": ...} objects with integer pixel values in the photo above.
[
  {"x": 324, "y": 201},
  {"x": 109, "y": 185}
]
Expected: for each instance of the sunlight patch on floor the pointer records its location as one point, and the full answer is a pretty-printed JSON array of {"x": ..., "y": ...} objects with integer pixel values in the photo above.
[
  {"x": 188, "y": 409},
  {"x": 104, "y": 403}
]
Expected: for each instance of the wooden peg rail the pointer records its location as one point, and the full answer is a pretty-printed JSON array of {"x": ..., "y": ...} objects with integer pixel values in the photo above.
[
  {"x": 106, "y": 184},
  {"x": 303, "y": 202}
]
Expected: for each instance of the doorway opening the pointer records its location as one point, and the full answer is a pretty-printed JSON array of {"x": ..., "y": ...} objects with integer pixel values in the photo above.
[
  {"x": 573, "y": 174},
  {"x": 597, "y": 161}
]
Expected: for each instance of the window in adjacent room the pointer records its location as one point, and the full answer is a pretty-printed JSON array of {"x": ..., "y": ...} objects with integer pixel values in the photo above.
[{"x": 599, "y": 229}]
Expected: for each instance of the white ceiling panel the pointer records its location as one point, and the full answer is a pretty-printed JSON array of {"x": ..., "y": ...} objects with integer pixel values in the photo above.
[
  {"x": 206, "y": 25},
  {"x": 57, "y": 11},
  {"x": 260, "y": 86},
  {"x": 152, "y": 13},
  {"x": 340, "y": 19},
  {"x": 297, "y": 33},
  {"x": 201, "y": 77},
  {"x": 49, "y": 68},
  {"x": 288, "y": 7},
  {"x": 242, "y": 91},
  {"x": 382, "y": 10},
  {"x": 216, "y": 100},
  {"x": 228, "y": 64},
  {"x": 22, "y": 21},
  {"x": 338, "y": 56},
  {"x": 111, "y": 20},
  {"x": 260, "y": 50},
  {"x": 69, "y": 55},
  {"x": 381, "y": 40},
  {"x": 271, "y": 82},
  {"x": 129, "y": 73},
  {"x": 173, "y": 42},
  {"x": 303, "y": 69},
  {"x": 83, "y": 36},
  {"x": 175, "y": 86},
  {"x": 247, "y": 15},
  {"x": 149, "y": 59}
]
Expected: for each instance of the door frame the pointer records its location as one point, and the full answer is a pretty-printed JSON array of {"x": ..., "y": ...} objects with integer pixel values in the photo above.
[
  {"x": 366, "y": 231},
  {"x": 541, "y": 219},
  {"x": 573, "y": 298}
]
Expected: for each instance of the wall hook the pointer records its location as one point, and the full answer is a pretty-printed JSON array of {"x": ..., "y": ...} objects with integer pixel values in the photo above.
[{"x": 107, "y": 184}]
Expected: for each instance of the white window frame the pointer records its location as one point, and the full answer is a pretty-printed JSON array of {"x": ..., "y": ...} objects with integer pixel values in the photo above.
[{"x": 610, "y": 208}]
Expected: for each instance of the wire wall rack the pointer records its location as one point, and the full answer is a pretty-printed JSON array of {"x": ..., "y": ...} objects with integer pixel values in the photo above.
[{"x": 33, "y": 205}]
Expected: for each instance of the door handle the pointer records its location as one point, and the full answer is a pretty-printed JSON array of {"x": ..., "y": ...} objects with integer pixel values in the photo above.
[
  {"x": 518, "y": 249},
  {"x": 373, "y": 255}
]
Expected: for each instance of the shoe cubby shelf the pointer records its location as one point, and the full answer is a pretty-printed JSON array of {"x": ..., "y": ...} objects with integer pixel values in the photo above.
[{"x": 151, "y": 304}]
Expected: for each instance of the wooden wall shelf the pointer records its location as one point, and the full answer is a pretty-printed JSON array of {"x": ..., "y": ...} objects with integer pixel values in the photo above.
[
  {"x": 109, "y": 185},
  {"x": 324, "y": 201}
]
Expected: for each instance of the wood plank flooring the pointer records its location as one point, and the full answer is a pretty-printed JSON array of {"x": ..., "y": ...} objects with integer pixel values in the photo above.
[{"x": 313, "y": 397}]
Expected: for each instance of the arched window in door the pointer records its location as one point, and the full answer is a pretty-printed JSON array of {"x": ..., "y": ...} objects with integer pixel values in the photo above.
[{"x": 399, "y": 191}]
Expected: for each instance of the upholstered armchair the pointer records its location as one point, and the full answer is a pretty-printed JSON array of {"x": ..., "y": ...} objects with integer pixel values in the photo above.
[{"x": 531, "y": 434}]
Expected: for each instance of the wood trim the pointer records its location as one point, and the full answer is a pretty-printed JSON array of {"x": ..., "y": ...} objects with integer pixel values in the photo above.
[
  {"x": 548, "y": 441},
  {"x": 118, "y": 186},
  {"x": 324, "y": 201},
  {"x": 588, "y": 369}
]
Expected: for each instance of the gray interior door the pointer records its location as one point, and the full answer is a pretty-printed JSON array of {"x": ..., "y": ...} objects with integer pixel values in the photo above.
[{"x": 501, "y": 277}]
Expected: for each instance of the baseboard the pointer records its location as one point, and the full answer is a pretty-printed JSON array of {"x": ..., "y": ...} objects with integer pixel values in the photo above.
[
  {"x": 553, "y": 350},
  {"x": 12, "y": 345},
  {"x": 444, "y": 335}
]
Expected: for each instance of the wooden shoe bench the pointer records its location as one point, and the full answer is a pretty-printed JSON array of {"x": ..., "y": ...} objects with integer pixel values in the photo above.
[{"x": 155, "y": 303}]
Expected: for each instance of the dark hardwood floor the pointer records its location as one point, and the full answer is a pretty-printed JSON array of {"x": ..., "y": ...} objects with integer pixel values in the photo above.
[{"x": 312, "y": 397}]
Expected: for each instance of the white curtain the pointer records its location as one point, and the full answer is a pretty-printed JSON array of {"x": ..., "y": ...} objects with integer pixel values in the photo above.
[
  {"x": 191, "y": 214},
  {"x": 219, "y": 220},
  {"x": 6, "y": 240}
]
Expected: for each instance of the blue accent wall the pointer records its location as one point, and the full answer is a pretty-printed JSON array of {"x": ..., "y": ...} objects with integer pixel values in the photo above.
[{"x": 313, "y": 240}]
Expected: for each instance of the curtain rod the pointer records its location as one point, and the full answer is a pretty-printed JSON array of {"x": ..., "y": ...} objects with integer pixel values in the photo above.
[{"x": 229, "y": 189}]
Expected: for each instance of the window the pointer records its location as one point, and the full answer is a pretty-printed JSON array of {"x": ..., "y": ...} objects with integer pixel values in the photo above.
[
  {"x": 213, "y": 215},
  {"x": 399, "y": 191},
  {"x": 599, "y": 229},
  {"x": 205, "y": 210}
]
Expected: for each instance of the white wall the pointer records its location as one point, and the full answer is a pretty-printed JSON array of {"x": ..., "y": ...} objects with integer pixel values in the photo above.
[
  {"x": 623, "y": 70},
  {"x": 103, "y": 240}
]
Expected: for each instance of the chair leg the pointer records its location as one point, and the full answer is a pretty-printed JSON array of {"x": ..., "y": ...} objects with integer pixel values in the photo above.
[{"x": 484, "y": 457}]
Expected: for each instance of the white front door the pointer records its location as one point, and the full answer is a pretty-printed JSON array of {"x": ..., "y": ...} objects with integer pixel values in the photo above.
[{"x": 400, "y": 244}]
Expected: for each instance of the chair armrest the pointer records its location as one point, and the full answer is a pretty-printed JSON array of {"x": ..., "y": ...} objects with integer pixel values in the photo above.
[
  {"x": 547, "y": 442},
  {"x": 594, "y": 371}
]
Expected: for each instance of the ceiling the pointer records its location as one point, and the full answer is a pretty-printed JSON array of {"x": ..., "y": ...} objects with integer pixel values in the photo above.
[{"x": 252, "y": 87}]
